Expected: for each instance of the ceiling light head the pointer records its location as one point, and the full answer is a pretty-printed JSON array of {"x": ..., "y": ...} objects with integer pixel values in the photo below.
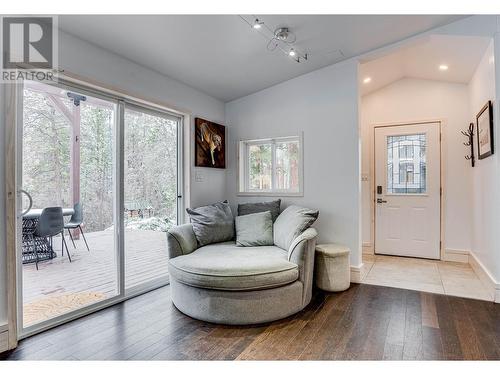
[
  {"x": 443, "y": 67},
  {"x": 257, "y": 24},
  {"x": 367, "y": 80},
  {"x": 285, "y": 35},
  {"x": 281, "y": 33},
  {"x": 292, "y": 53}
]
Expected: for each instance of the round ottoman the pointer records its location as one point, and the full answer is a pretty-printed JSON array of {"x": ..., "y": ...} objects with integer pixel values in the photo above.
[{"x": 331, "y": 268}]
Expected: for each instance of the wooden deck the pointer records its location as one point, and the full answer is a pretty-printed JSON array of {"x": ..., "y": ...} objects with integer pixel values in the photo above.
[{"x": 95, "y": 272}]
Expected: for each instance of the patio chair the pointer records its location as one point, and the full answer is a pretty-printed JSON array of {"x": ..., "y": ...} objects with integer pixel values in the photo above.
[
  {"x": 50, "y": 224},
  {"x": 76, "y": 222}
]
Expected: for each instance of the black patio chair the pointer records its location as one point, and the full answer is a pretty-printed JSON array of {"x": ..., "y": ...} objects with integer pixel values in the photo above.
[
  {"x": 76, "y": 222},
  {"x": 50, "y": 224}
]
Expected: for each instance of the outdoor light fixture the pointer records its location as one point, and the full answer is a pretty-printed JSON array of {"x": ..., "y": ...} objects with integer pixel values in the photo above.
[
  {"x": 281, "y": 38},
  {"x": 76, "y": 98},
  {"x": 367, "y": 80},
  {"x": 443, "y": 67}
]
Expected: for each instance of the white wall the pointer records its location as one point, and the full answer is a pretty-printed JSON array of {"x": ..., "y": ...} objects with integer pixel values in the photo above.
[
  {"x": 89, "y": 61},
  {"x": 410, "y": 100},
  {"x": 324, "y": 106},
  {"x": 485, "y": 198},
  {"x": 102, "y": 67}
]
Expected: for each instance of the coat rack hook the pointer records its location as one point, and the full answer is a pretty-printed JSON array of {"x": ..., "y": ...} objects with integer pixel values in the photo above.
[{"x": 469, "y": 133}]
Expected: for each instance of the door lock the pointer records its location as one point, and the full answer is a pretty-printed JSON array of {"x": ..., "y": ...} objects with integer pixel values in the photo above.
[{"x": 380, "y": 200}]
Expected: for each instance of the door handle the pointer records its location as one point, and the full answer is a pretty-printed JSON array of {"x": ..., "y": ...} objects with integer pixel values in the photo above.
[
  {"x": 380, "y": 200},
  {"x": 30, "y": 205}
]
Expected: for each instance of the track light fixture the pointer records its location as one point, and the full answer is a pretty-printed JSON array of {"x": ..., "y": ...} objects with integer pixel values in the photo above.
[
  {"x": 257, "y": 24},
  {"x": 281, "y": 38}
]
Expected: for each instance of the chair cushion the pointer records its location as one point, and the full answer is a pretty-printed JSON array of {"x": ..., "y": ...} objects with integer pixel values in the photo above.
[
  {"x": 254, "y": 229},
  {"x": 225, "y": 266},
  {"x": 213, "y": 223}
]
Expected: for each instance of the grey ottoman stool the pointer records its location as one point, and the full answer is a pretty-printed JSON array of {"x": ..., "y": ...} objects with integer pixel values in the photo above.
[{"x": 332, "y": 269}]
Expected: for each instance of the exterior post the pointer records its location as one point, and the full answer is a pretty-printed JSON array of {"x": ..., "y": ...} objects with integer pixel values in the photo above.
[{"x": 75, "y": 160}]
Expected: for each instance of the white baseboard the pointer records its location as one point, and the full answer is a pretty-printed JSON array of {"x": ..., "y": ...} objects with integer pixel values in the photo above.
[
  {"x": 484, "y": 275},
  {"x": 4, "y": 341},
  {"x": 358, "y": 273},
  {"x": 367, "y": 248},
  {"x": 456, "y": 255}
]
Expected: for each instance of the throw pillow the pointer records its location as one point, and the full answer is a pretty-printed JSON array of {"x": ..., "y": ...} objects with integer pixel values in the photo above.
[
  {"x": 212, "y": 223},
  {"x": 291, "y": 223},
  {"x": 254, "y": 229},
  {"x": 252, "y": 208}
]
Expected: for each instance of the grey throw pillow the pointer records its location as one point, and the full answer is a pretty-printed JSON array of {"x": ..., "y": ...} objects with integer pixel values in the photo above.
[
  {"x": 291, "y": 223},
  {"x": 212, "y": 223},
  {"x": 252, "y": 208},
  {"x": 254, "y": 229}
]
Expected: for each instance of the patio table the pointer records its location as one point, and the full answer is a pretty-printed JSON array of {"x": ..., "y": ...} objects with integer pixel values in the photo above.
[{"x": 44, "y": 250}]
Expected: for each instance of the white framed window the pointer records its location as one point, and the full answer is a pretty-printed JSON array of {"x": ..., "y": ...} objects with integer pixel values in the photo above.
[{"x": 271, "y": 166}]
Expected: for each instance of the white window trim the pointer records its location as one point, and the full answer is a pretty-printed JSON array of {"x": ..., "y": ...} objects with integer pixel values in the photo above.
[{"x": 243, "y": 175}]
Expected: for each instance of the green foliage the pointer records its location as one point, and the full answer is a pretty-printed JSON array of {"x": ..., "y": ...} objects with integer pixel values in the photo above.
[
  {"x": 46, "y": 152},
  {"x": 150, "y": 162},
  {"x": 260, "y": 165}
]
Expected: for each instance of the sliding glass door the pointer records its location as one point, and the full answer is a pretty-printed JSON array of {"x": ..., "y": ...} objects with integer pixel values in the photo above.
[
  {"x": 100, "y": 177},
  {"x": 150, "y": 192},
  {"x": 68, "y": 258}
]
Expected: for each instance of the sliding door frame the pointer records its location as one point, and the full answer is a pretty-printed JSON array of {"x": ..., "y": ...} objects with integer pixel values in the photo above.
[
  {"x": 14, "y": 125},
  {"x": 10, "y": 107},
  {"x": 161, "y": 281}
]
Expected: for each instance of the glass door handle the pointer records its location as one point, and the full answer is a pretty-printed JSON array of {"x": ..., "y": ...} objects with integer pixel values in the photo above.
[
  {"x": 30, "y": 205},
  {"x": 380, "y": 200}
]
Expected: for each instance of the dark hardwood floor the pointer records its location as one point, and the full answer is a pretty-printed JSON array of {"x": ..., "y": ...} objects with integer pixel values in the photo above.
[{"x": 365, "y": 322}]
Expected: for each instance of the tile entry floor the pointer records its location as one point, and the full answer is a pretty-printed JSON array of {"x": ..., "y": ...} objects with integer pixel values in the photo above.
[{"x": 434, "y": 276}]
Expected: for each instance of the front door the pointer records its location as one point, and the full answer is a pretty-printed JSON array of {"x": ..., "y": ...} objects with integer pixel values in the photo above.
[{"x": 408, "y": 190}]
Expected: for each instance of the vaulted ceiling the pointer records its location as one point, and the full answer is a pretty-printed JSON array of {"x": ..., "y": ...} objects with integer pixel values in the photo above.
[
  {"x": 224, "y": 57},
  {"x": 422, "y": 59}
]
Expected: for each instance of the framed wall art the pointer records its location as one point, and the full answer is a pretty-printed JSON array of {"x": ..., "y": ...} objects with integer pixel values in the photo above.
[
  {"x": 210, "y": 144},
  {"x": 484, "y": 131}
]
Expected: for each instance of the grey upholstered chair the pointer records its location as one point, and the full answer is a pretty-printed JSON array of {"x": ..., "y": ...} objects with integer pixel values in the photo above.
[
  {"x": 75, "y": 222},
  {"x": 227, "y": 284},
  {"x": 50, "y": 224}
]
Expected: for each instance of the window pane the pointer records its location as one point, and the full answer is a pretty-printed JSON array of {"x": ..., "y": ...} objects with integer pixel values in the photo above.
[
  {"x": 97, "y": 165},
  {"x": 150, "y": 188},
  {"x": 406, "y": 164},
  {"x": 46, "y": 151},
  {"x": 287, "y": 166},
  {"x": 260, "y": 167},
  {"x": 68, "y": 158}
]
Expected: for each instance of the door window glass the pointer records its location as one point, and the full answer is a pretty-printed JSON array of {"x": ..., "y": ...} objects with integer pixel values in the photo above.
[{"x": 406, "y": 164}]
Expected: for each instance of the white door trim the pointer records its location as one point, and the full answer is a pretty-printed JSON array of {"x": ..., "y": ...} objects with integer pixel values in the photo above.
[{"x": 442, "y": 147}]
